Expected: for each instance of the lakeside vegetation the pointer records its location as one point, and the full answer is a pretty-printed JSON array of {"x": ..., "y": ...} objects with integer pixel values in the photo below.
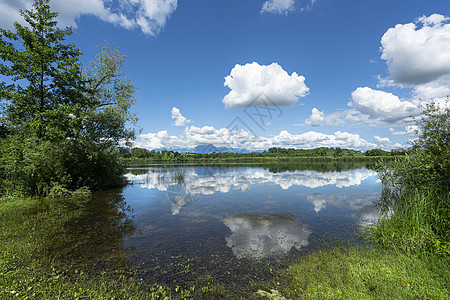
[
  {"x": 59, "y": 135},
  {"x": 322, "y": 154},
  {"x": 60, "y": 121}
]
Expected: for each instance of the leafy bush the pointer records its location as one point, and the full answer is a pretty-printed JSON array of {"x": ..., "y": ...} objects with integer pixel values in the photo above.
[
  {"x": 427, "y": 165},
  {"x": 416, "y": 189},
  {"x": 35, "y": 167}
]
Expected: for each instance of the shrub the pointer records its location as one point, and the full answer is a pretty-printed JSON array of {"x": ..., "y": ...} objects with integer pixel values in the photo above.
[{"x": 416, "y": 189}]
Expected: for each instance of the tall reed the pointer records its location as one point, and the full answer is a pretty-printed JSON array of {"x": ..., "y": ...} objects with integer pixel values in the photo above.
[{"x": 418, "y": 222}]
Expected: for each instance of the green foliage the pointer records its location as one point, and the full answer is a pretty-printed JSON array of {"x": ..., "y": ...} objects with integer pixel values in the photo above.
[
  {"x": 376, "y": 152},
  {"x": 318, "y": 152},
  {"x": 35, "y": 167},
  {"x": 428, "y": 164},
  {"x": 277, "y": 155},
  {"x": 417, "y": 222},
  {"x": 111, "y": 96},
  {"x": 434, "y": 144},
  {"x": 45, "y": 74},
  {"x": 30, "y": 165},
  {"x": 59, "y": 128},
  {"x": 416, "y": 190}
]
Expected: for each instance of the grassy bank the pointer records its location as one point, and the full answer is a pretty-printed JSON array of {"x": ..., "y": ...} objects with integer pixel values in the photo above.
[
  {"x": 418, "y": 222},
  {"x": 365, "y": 274}
]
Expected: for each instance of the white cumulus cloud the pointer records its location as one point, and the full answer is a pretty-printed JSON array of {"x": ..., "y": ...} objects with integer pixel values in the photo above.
[
  {"x": 193, "y": 136},
  {"x": 150, "y": 16},
  {"x": 418, "y": 53},
  {"x": 9, "y": 12},
  {"x": 180, "y": 120},
  {"x": 284, "y": 7},
  {"x": 437, "y": 89},
  {"x": 386, "y": 143},
  {"x": 316, "y": 118},
  {"x": 263, "y": 85},
  {"x": 383, "y": 140},
  {"x": 278, "y": 6},
  {"x": 411, "y": 130},
  {"x": 313, "y": 139},
  {"x": 381, "y": 105},
  {"x": 418, "y": 58}
]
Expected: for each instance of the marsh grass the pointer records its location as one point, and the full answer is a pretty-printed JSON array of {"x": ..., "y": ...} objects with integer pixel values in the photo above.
[{"x": 419, "y": 222}]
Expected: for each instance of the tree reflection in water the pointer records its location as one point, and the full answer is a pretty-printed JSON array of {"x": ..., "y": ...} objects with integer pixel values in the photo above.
[{"x": 93, "y": 235}]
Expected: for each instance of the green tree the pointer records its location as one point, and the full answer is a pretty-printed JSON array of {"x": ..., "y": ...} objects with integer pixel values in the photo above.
[
  {"x": 376, "y": 152},
  {"x": 111, "y": 95},
  {"x": 433, "y": 145},
  {"x": 140, "y": 153},
  {"x": 427, "y": 164},
  {"x": 45, "y": 84},
  {"x": 416, "y": 189},
  {"x": 59, "y": 128}
]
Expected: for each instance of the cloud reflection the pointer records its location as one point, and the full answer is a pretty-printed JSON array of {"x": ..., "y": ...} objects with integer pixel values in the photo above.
[
  {"x": 243, "y": 178},
  {"x": 256, "y": 236},
  {"x": 363, "y": 206},
  {"x": 177, "y": 195},
  {"x": 318, "y": 200}
]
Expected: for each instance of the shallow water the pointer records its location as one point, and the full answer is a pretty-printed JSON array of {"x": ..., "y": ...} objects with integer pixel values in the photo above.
[{"x": 239, "y": 223}]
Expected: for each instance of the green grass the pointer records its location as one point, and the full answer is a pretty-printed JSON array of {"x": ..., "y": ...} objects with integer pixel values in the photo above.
[
  {"x": 365, "y": 274},
  {"x": 418, "y": 222}
]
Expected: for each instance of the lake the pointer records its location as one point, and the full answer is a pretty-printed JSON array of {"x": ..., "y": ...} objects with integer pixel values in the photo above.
[{"x": 235, "y": 224}]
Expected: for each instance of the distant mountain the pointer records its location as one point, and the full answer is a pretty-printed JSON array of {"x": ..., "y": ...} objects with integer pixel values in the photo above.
[
  {"x": 209, "y": 148},
  {"x": 205, "y": 149}
]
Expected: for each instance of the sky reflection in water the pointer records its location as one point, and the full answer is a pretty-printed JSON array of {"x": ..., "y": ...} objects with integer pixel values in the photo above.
[{"x": 251, "y": 211}]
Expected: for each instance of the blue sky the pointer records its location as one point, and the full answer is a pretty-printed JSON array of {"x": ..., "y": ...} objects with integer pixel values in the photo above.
[{"x": 258, "y": 74}]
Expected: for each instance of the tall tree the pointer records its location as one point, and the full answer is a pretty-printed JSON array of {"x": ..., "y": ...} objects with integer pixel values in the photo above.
[
  {"x": 45, "y": 85},
  {"x": 58, "y": 126},
  {"x": 111, "y": 96}
]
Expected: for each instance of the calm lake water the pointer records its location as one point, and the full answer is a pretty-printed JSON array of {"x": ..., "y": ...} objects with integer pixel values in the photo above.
[{"x": 237, "y": 223}]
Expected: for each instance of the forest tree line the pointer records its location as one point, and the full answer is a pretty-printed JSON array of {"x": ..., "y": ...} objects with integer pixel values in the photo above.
[{"x": 275, "y": 152}]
